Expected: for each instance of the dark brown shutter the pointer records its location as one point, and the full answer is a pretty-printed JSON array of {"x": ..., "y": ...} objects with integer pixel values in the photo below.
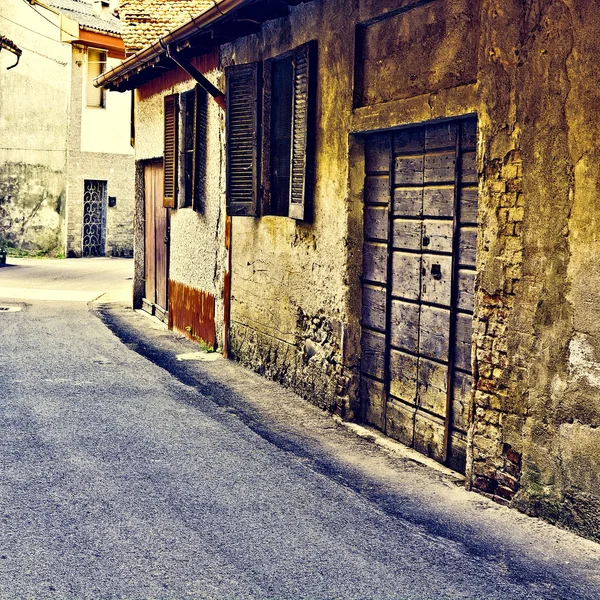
[
  {"x": 200, "y": 155},
  {"x": 265, "y": 149},
  {"x": 303, "y": 127},
  {"x": 242, "y": 139},
  {"x": 170, "y": 157}
]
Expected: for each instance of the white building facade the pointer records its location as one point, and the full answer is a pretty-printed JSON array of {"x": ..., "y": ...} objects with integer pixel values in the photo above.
[{"x": 66, "y": 163}]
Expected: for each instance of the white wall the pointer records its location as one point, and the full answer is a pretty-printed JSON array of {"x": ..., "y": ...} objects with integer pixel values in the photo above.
[
  {"x": 34, "y": 96},
  {"x": 106, "y": 129}
]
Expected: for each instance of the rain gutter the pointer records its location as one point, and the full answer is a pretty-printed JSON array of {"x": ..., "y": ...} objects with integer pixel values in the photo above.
[{"x": 151, "y": 53}]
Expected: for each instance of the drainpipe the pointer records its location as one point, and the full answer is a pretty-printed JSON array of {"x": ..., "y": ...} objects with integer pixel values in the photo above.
[{"x": 215, "y": 92}]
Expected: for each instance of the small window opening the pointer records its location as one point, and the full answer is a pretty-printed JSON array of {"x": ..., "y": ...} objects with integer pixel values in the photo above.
[
  {"x": 96, "y": 65},
  {"x": 281, "y": 134}
]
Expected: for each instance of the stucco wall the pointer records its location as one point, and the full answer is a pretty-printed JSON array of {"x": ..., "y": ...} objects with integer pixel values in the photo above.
[
  {"x": 106, "y": 129},
  {"x": 537, "y": 282},
  {"x": 34, "y": 99},
  {"x": 534, "y": 438},
  {"x": 197, "y": 254},
  {"x": 99, "y": 148},
  {"x": 289, "y": 279},
  {"x": 529, "y": 70}
]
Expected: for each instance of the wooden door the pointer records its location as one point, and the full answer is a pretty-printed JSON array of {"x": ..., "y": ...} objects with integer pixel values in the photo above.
[
  {"x": 156, "y": 251},
  {"x": 418, "y": 276},
  {"x": 161, "y": 220},
  {"x": 149, "y": 239}
]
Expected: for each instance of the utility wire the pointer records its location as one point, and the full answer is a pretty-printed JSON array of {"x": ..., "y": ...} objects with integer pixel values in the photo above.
[
  {"x": 32, "y": 30},
  {"x": 43, "y": 16},
  {"x": 36, "y": 149},
  {"x": 59, "y": 62}
]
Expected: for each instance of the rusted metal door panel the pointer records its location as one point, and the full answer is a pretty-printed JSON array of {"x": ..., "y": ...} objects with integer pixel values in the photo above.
[{"x": 418, "y": 278}]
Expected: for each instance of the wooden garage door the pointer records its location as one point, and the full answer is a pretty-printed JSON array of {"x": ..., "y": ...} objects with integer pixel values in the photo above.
[{"x": 420, "y": 235}]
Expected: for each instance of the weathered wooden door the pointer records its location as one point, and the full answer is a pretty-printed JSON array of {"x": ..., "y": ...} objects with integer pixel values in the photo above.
[
  {"x": 156, "y": 236},
  {"x": 420, "y": 236}
]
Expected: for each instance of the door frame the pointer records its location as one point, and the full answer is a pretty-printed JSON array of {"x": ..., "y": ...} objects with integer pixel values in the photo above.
[{"x": 356, "y": 183}]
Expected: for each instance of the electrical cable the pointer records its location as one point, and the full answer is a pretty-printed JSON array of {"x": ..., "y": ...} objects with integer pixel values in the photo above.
[
  {"x": 59, "y": 62},
  {"x": 32, "y": 30},
  {"x": 43, "y": 16}
]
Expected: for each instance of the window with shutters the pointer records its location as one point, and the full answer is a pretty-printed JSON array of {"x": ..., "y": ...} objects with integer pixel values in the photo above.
[
  {"x": 185, "y": 149},
  {"x": 270, "y": 135},
  {"x": 96, "y": 65},
  {"x": 188, "y": 111},
  {"x": 193, "y": 107}
]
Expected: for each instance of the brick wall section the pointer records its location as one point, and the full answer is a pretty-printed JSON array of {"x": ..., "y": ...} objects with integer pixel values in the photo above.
[{"x": 495, "y": 465}]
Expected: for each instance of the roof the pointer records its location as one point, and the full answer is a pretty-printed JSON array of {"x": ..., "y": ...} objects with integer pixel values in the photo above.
[
  {"x": 224, "y": 21},
  {"x": 83, "y": 12},
  {"x": 144, "y": 21}
]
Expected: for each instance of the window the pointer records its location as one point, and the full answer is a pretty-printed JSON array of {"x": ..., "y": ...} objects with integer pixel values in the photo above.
[
  {"x": 270, "y": 135},
  {"x": 96, "y": 65},
  {"x": 185, "y": 154}
]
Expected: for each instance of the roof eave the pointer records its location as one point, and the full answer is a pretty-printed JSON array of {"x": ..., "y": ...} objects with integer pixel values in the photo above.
[
  {"x": 152, "y": 54},
  {"x": 120, "y": 77}
]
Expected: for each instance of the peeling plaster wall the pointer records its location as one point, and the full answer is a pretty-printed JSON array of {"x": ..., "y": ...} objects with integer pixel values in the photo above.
[
  {"x": 295, "y": 302},
  {"x": 289, "y": 279},
  {"x": 197, "y": 239},
  {"x": 33, "y": 133},
  {"x": 534, "y": 440}
]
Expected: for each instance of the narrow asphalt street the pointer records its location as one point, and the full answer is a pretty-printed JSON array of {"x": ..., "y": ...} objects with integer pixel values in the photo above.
[{"x": 134, "y": 467}]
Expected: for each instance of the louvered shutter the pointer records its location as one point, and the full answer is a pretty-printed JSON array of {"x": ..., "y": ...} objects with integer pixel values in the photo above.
[
  {"x": 303, "y": 123},
  {"x": 170, "y": 156},
  {"x": 242, "y": 139},
  {"x": 200, "y": 154}
]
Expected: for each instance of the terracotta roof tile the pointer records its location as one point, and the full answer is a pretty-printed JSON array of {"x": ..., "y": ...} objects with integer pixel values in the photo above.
[{"x": 144, "y": 21}]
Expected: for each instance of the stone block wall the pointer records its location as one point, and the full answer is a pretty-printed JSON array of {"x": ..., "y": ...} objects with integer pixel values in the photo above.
[{"x": 312, "y": 365}]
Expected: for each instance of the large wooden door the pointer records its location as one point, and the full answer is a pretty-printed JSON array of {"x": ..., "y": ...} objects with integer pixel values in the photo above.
[
  {"x": 156, "y": 235},
  {"x": 418, "y": 278}
]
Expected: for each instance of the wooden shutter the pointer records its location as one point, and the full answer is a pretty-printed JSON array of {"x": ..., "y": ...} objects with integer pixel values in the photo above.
[
  {"x": 242, "y": 139},
  {"x": 200, "y": 154},
  {"x": 170, "y": 156},
  {"x": 188, "y": 148},
  {"x": 303, "y": 125}
]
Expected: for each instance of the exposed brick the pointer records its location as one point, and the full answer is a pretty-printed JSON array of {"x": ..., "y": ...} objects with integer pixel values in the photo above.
[
  {"x": 485, "y": 485},
  {"x": 507, "y": 480},
  {"x": 512, "y": 456}
]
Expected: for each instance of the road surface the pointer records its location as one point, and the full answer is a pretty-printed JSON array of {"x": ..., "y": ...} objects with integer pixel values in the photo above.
[{"x": 129, "y": 472}]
